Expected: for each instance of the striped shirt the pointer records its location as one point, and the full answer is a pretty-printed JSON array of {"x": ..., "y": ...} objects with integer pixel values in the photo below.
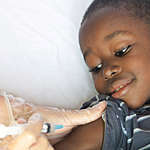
[{"x": 125, "y": 129}]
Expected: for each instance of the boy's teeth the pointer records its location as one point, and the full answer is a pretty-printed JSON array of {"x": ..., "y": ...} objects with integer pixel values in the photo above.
[{"x": 119, "y": 88}]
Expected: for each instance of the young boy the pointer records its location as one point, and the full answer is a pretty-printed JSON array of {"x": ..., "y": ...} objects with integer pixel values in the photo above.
[{"x": 115, "y": 41}]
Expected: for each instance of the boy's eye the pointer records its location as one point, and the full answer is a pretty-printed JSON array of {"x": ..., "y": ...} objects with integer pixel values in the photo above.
[
  {"x": 96, "y": 69},
  {"x": 123, "y": 51}
]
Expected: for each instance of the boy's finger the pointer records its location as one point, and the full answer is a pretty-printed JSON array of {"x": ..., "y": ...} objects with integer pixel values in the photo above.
[{"x": 28, "y": 137}]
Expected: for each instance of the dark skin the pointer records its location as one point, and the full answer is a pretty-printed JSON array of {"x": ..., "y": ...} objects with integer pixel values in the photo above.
[
  {"x": 116, "y": 49},
  {"x": 79, "y": 138}
]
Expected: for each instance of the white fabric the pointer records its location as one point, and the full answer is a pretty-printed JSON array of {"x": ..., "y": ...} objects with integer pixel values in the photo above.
[{"x": 40, "y": 56}]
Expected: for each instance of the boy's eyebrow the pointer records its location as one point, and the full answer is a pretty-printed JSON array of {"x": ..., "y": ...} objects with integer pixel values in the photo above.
[
  {"x": 114, "y": 34},
  {"x": 107, "y": 38}
]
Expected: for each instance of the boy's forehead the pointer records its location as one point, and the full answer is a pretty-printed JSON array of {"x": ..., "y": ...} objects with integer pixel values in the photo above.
[
  {"x": 106, "y": 25},
  {"x": 103, "y": 28},
  {"x": 109, "y": 17},
  {"x": 110, "y": 21}
]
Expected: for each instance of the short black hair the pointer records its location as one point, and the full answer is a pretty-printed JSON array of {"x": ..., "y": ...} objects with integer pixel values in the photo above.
[{"x": 136, "y": 8}]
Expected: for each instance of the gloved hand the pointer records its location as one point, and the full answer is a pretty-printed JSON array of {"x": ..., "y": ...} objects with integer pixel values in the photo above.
[
  {"x": 29, "y": 139},
  {"x": 69, "y": 118},
  {"x": 22, "y": 111}
]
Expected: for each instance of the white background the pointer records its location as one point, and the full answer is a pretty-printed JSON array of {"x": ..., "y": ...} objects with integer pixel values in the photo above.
[{"x": 40, "y": 58}]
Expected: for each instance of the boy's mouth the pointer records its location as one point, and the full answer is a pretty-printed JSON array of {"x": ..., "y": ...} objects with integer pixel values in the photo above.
[{"x": 120, "y": 87}]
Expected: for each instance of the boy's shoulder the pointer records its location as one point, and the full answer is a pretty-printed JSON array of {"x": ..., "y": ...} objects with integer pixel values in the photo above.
[{"x": 125, "y": 128}]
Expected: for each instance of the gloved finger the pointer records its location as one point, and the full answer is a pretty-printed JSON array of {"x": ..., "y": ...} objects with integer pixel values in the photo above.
[
  {"x": 84, "y": 116},
  {"x": 41, "y": 144},
  {"x": 29, "y": 136},
  {"x": 4, "y": 117},
  {"x": 72, "y": 117},
  {"x": 22, "y": 110}
]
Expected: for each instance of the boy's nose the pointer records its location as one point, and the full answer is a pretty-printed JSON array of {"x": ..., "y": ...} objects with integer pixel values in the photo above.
[{"x": 111, "y": 71}]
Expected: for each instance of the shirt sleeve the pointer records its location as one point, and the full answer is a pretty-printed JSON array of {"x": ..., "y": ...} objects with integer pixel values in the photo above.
[
  {"x": 115, "y": 134},
  {"x": 125, "y": 129}
]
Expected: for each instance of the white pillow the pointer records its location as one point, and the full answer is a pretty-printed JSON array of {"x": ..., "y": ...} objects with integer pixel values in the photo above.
[{"x": 40, "y": 56}]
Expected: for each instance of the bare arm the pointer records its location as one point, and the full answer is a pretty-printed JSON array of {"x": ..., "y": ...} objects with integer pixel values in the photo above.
[{"x": 86, "y": 137}]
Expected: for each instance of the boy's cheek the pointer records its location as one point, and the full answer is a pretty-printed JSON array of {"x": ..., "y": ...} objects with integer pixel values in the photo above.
[{"x": 99, "y": 83}]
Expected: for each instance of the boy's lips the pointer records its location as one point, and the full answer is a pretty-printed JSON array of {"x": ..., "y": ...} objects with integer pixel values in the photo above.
[{"x": 120, "y": 87}]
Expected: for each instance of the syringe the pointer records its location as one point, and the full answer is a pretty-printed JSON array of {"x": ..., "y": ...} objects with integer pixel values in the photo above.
[{"x": 18, "y": 128}]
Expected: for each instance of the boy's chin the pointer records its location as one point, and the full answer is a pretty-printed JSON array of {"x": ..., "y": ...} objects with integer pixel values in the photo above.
[
  {"x": 131, "y": 102},
  {"x": 134, "y": 104}
]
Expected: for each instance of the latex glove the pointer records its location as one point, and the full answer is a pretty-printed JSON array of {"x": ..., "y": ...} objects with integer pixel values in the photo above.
[
  {"x": 29, "y": 139},
  {"x": 68, "y": 118}
]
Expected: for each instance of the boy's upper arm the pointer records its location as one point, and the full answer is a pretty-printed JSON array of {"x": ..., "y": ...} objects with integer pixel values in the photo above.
[
  {"x": 86, "y": 137},
  {"x": 124, "y": 129}
]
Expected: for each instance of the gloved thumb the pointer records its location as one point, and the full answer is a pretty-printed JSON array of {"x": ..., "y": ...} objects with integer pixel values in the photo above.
[
  {"x": 70, "y": 118},
  {"x": 28, "y": 136},
  {"x": 84, "y": 116}
]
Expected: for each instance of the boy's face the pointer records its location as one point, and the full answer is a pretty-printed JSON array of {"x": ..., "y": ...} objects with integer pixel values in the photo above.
[{"x": 116, "y": 48}]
